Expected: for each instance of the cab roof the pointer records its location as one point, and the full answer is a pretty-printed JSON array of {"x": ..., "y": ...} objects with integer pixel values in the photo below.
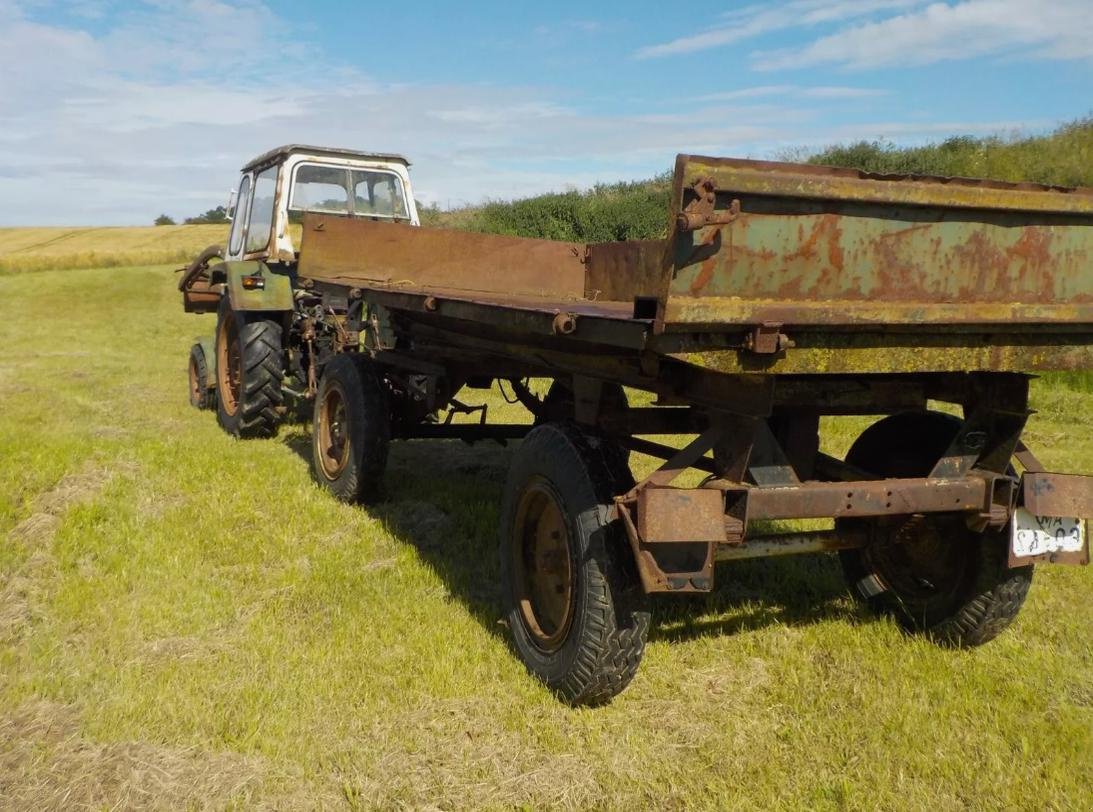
[{"x": 278, "y": 153}]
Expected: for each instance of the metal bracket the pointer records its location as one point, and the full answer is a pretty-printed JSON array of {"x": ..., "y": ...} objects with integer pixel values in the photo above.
[
  {"x": 767, "y": 339},
  {"x": 701, "y": 211}
]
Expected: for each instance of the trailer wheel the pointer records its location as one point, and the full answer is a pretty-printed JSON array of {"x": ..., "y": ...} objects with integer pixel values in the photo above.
[
  {"x": 350, "y": 430},
  {"x": 573, "y": 600},
  {"x": 202, "y": 396},
  {"x": 931, "y": 573},
  {"x": 249, "y": 368}
]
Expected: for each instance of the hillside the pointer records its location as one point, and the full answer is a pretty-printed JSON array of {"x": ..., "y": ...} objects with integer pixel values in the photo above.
[{"x": 1063, "y": 157}]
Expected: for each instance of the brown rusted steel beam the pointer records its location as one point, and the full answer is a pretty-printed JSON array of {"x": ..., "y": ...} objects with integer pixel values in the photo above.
[
  {"x": 814, "y": 541},
  {"x": 677, "y": 460},
  {"x": 1027, "y": 459},
  {"x": 882, "y": 497},
  {"x": 743, "y": 394},
  {"x": 680, "y": 515},
  {"x": 669, "y": 563},
  {"x": 664, "y": 452}
]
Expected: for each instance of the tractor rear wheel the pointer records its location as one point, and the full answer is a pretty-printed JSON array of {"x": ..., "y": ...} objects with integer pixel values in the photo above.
[{"x": 202, "y": 395}]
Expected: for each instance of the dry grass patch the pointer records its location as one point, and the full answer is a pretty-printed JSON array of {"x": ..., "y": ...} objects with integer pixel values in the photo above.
[{"x": 47, "y": 764}]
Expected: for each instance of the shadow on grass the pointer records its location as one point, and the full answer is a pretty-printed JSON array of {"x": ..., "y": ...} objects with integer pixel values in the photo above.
[
  {"x": 442, "y": 497},
  {"x": 790, "y": 591}
]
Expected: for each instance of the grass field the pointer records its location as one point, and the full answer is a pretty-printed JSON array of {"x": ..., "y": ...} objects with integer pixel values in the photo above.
[
  {"x": 57, "y": 248},
  {"x": 186, "y": 620}
]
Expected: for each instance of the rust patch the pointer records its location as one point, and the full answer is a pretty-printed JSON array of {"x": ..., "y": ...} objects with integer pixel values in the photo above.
[{"x": 704, "y": 275}]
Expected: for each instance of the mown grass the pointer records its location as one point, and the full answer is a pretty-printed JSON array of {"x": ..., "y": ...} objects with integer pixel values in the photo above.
[
  {"x": 186, "y": 620},
  {"x": 57, "y": 248}
]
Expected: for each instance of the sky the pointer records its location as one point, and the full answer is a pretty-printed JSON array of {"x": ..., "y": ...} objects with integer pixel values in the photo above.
[{"x": 114, "y": 112}]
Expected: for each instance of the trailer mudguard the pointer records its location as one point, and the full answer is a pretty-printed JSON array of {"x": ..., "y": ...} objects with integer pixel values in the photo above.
[{"x": 253, "y": 285}]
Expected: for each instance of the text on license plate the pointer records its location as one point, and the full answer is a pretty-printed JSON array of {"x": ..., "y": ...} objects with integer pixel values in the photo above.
[{"x": 1036, "y": 535}]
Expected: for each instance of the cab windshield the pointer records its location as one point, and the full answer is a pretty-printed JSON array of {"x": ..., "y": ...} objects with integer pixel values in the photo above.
[{"x": 342, "y": 190}]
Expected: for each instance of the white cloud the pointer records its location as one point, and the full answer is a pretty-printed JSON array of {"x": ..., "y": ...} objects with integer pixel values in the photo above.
[
  {"x": 157, "y": 112},
  {"x": 756, "y": 20},
  {"x": 150, "y": 117},
  {"x": 1060, "y": 29}
]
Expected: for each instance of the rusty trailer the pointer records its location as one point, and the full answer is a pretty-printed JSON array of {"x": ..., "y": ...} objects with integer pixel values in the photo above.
[{"x": 783, "y": 293}]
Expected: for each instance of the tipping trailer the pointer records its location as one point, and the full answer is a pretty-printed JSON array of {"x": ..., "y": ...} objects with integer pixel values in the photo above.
[{"x": 782, "y": 293}]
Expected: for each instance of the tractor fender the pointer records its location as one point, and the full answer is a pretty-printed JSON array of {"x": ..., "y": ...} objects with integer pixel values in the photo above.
[{"x": 273, "y": 293}]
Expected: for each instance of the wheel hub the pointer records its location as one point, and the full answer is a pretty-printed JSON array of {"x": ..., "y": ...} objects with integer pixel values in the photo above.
[
  {"x": 333, "y": 433},
  {"x": 229, "y": 367},
  {"x": 543, "y": 566}
]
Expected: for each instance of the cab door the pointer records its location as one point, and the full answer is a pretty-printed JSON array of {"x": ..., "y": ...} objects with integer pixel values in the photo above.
[{"x": 236, "y": 238}]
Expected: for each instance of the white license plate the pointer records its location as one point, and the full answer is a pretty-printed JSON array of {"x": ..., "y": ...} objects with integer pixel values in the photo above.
[{"x": 1036, "y": 535}]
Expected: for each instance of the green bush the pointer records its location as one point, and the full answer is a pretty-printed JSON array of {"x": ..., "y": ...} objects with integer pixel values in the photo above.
[
  {"x": 1063, "y": 157},
  {"x": 637, "y": 210},
  {"x": 618, "y": 211}
]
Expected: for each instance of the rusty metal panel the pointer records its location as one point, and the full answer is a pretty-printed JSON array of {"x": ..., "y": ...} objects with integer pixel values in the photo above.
[
  {"x": 624, "y": 271},
  {"x": 810, "y": 181},
  {"x": 1047, "y": 494},
  {"x": 402, "y": 257},
  {"x": 800, "y": 245},
  {"x": 680, "y": 515}
]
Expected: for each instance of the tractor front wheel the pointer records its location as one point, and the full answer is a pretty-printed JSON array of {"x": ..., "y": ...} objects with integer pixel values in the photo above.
[
  {"x": 202, "y": 395},
  {"x": 249, "y": 369}
]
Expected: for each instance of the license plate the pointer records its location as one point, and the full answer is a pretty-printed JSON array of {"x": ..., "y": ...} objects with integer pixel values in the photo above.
[{"x": 1036, "y": 535}]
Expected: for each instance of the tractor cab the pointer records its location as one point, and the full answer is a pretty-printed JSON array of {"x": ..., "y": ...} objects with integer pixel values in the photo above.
[{"x": 277, "y": 188}]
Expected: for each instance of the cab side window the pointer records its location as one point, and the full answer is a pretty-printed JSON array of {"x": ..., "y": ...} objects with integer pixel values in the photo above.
[
  {"x": 261, "y": 210},
  {"x": 239, "y": 221}
]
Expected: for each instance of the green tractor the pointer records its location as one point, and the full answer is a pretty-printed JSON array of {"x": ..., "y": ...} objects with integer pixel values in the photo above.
[{"x": 249, "y": 371}]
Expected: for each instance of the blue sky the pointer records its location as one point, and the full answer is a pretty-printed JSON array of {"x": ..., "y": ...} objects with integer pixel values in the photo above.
[{"x": 112, "y": 112}]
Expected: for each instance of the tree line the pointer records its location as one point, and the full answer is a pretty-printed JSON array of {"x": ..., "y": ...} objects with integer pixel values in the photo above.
[{"x": 210, "y": 217}]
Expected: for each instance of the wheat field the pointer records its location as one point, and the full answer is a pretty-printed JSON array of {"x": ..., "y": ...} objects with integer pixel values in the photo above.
[{"x": 57, "y": 248}]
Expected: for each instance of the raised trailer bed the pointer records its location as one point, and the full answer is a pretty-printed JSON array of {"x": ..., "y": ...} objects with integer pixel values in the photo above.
[{"x": 782, "y": 293}]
